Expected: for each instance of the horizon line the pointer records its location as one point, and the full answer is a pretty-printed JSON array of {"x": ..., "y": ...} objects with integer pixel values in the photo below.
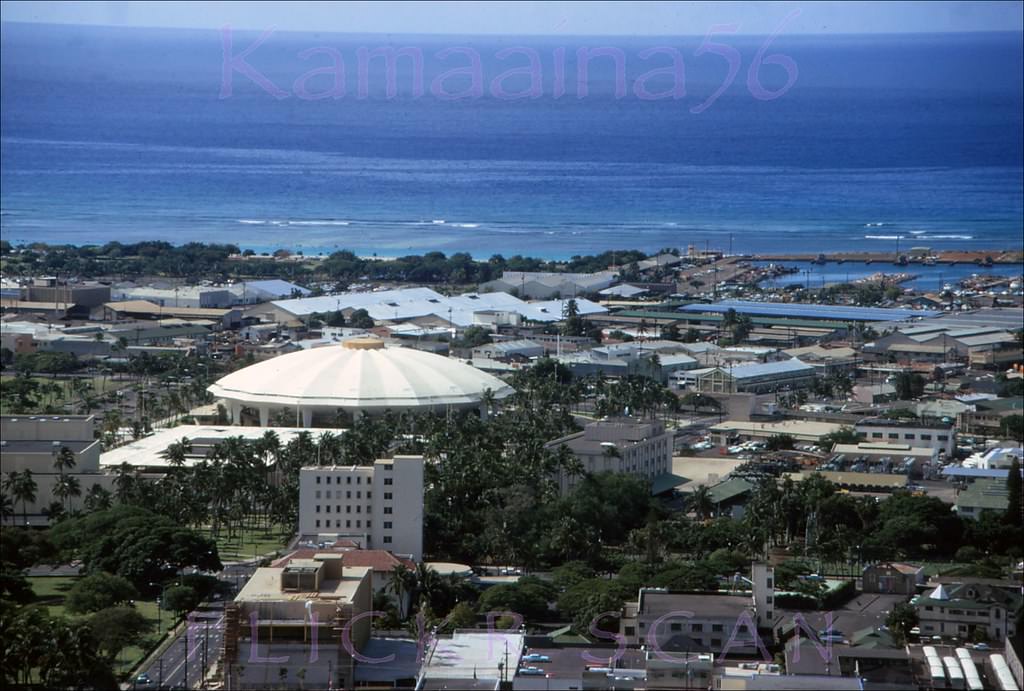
[{"x": 278, "y": 30}]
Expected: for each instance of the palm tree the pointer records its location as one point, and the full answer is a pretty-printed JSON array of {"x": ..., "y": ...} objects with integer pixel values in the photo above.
[
  {"x": 701, "y": 502},
  {"x": 23, "y": 488},
  {"x": 98, "y": 498},
  {"x": 177, "y": 452},
  {"x": 124, "y": 482},
  {"x": 65, "y": 460},
  {"x": 6, "y": 506},
  {"x": 67, "y": 486},
  {"x": 401, "y": 583}
]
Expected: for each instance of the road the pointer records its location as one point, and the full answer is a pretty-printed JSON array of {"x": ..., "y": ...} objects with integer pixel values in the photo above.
[
  {"x": 184, "y": 669},
  {"x": 207, "y": 630}
]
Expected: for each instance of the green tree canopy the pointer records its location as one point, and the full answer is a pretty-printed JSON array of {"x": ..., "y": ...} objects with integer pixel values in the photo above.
[{"x": 98, "y": 591}]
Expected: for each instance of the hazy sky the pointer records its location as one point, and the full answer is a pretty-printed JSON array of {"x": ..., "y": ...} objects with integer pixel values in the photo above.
[{"x": 533, "y": 18}]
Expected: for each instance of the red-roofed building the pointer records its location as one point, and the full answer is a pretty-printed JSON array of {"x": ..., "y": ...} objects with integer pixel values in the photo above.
[{"x": 893, "y": 578}]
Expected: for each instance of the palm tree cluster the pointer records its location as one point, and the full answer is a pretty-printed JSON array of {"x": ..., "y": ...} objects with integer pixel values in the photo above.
[{"x": 62, "y": 653}]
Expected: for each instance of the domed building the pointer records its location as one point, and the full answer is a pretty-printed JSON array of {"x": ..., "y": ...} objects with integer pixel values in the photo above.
[{"x": 358, "y": 376}]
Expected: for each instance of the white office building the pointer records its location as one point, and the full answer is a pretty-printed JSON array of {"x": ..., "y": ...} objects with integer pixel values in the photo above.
[{"x": 378, "y": 506}]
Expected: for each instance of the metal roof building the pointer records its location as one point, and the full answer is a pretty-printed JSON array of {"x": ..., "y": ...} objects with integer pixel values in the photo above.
[
  {"x": 808, "y": 311},
  {"x": 358, "y": 376}
]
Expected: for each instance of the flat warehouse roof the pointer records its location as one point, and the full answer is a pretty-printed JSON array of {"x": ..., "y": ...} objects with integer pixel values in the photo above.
[{"x": 810, "y": 311}]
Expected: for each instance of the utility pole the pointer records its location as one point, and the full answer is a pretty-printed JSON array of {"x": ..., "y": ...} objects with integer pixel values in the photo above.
[{"x": 206, "y": 640}]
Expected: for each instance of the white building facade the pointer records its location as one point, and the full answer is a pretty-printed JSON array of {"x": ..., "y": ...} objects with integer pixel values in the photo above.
[{"x": 379, "y": 506}]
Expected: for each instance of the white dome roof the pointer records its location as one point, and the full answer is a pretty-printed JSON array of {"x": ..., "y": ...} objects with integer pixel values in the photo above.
[{"x": 359, "y": 375}]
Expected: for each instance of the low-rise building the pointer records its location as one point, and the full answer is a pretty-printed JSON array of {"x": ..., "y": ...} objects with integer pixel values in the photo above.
[
  {"x": 917, "y": 433},
  {"x": 964, "y": 610},
  {"x": 987, "y": 416},
  {"x": 379, "y": 506},
  {"x": 882, "y": 457},
  {"x": 985, "y": 494},
  {"x": 314, "y": 607},
  {"x": 641, "y": 448},
  {"x": 892, "y": 577},
  {"x": 827, "y": 361},
  {"x": 755, "y": 378},
  {"x": 509, "y": 350},
  {"x": 701, "y": 622},
  {"x": 31, "y": 445},
  {"x": 802, "y": 431}
]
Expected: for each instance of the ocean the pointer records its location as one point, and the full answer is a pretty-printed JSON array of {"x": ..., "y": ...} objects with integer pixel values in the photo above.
[{"x": 137, "y": 134}]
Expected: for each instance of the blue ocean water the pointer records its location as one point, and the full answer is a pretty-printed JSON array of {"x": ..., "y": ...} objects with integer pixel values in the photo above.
[{"x": 118, "y": 134}]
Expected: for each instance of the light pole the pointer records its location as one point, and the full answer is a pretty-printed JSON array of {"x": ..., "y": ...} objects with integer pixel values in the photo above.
[{"x": 159, "y": 603}]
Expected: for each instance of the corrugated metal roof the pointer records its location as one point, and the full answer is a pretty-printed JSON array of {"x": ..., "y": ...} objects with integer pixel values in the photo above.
[
  {"x": 767, "y": 368},
  {"x": 811, "y": 311}
]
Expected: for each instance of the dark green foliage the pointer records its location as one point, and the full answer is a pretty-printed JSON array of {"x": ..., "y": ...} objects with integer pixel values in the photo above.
[
  {"x": 360, "y": 319},
  {"x": 180, "y": 599},
  {"x": 909, "y": 385},
  {"x": 472, "y": 337},
  {"x": 1012, "y": 427},
  {"x": 99, "y": 591},
  {"x": 1015, "y": 506},
  {"x": 118, "y": 627},
  {"x": 135, "y": 543},
  {"x": 902, "y": 618},
  {"x": 780, "y": 442}
]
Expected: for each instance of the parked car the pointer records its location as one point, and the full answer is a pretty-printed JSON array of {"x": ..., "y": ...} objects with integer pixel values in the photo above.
[
  {"x": 984, "y": 647},
  {"x": 531, "y": 671},
  {"x": 536, "y": 657}
]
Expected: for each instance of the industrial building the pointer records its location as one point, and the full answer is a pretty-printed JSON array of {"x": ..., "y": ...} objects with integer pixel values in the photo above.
[
  {"x": 750, "y": 378},
  {"x": 808, "y": 311},
  {"x": 933, "y": 435}
]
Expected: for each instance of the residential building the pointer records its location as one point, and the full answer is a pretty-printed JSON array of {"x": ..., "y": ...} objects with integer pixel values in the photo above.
[
  {"x": 893, "y": 578},
  {"x": 701, "y": 622},
  {"x": 379, "y": 506},
  {"x": 310, "y": 614},
  {"x": 988, "y": 415},
  {"x": 33, "y": 443},
  {"x": 984, "y": 494},
  {"x": 962, "y": 610},
  {"x": 641, "y": 448},
  {"x": 917, "y": 433}
]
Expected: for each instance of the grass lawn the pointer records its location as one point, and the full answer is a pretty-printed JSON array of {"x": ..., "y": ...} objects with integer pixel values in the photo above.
[
  {"x": 52, "y": 590},
  {"x": 938, "y": 568},
  {"x": 250, "y": 542}
]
